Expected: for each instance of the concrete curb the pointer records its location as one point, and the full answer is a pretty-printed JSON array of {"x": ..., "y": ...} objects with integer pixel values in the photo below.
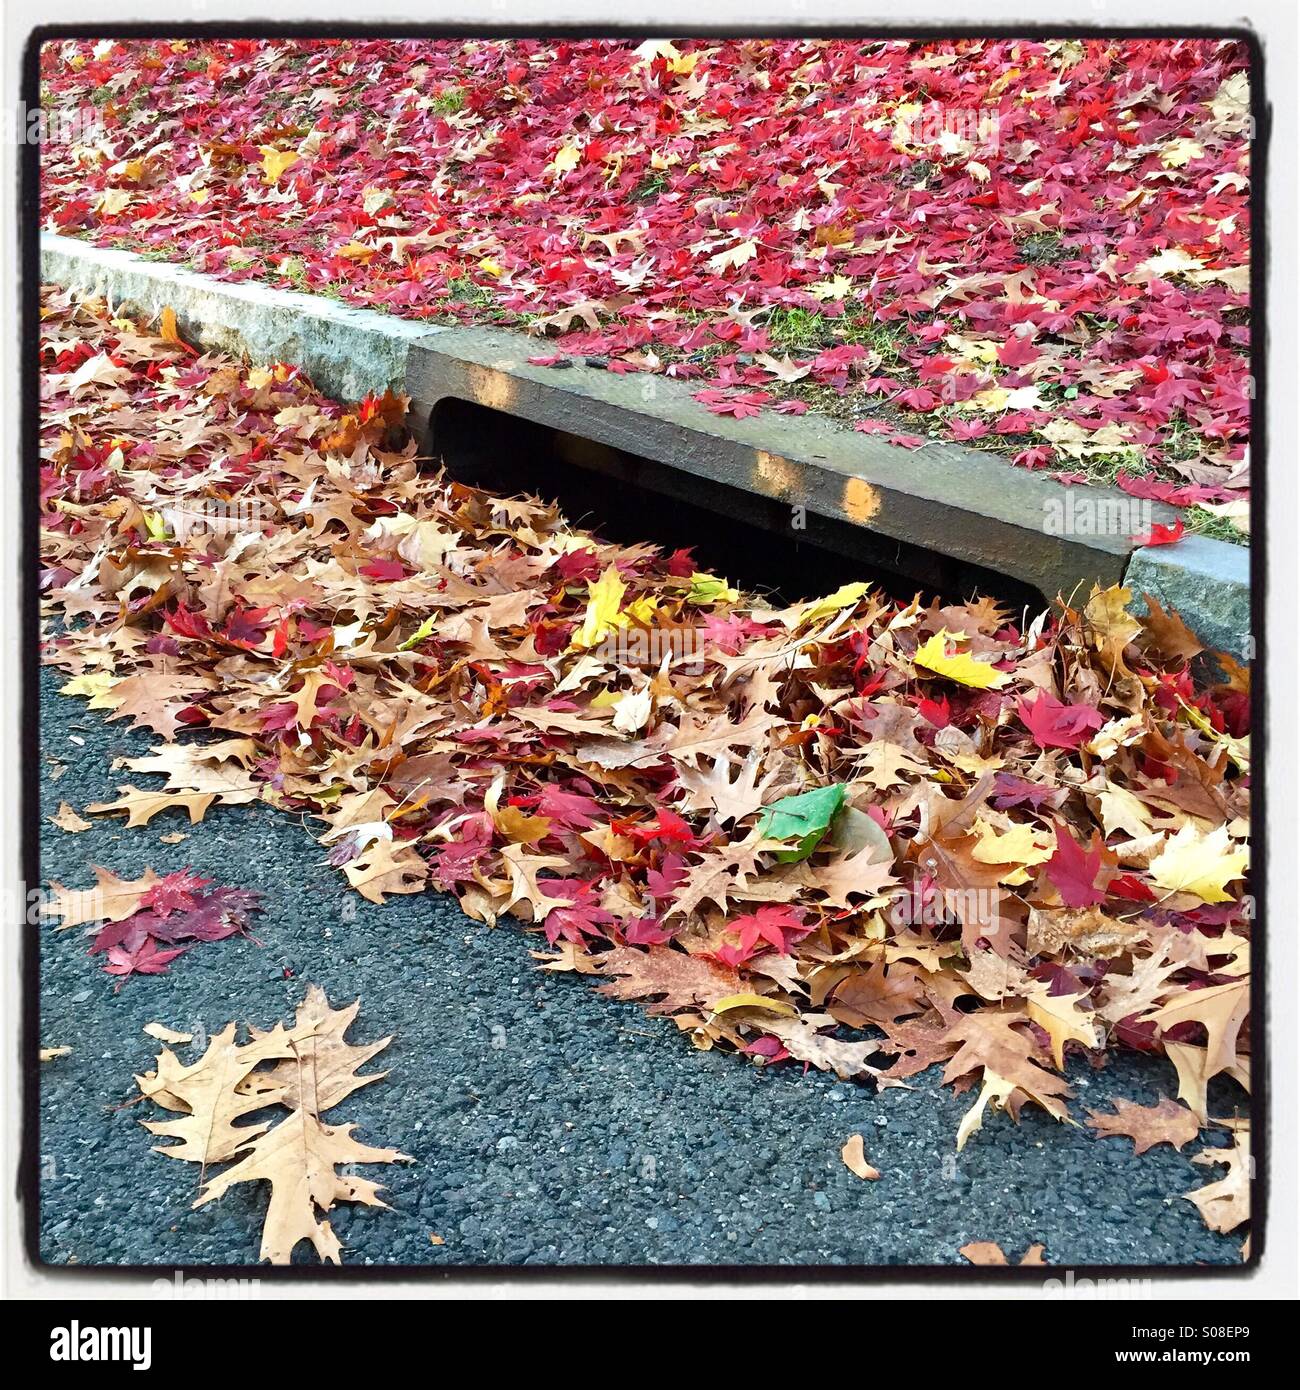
[
  {"x": 1207, "y": 581},
  {"x": 958, "y": 503},
  {"x": 347, "y": 352}
]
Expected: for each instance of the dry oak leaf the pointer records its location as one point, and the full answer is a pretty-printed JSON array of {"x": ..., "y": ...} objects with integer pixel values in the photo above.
[
  {"x": 67, "y": 819},
  {"x": 991, "y": 1041},
  {"x": 989, "y": 1252},
  {"x": 1147, "y": 1125},
  {"x": 50, "y": 1054},
  {"x": 314, "y": 1068},
  {"x": 111, "y": 899},
  {"x": 860, "y": 875},
  {"x": 525, "y": 886},
  {"x": 1062, "y": 1022},
  {"x": 1168, "y": 633},
  {"x": 319, "y": 1070},
  {"x": 566, "y": 958},
  {"x": 855, "y": 1159},
  {"x": 677, "y": 980},
  {"x": 848, "y": 1060},
  {"x": 712, "y": 880},
  {"x": 154, "y": 700},
  {"x": 381, "y": 870},
  {"x": 299, "y": 1158},
  {"x": 1225, "y": 1204},
  {"x": 729, "y": 798},
  {"x": 1194, "y": 1075},
  {"x": 142, "y": 806},
  {"x": 1220, "y": 1009},
  {"x": 208, "y": 1095}
]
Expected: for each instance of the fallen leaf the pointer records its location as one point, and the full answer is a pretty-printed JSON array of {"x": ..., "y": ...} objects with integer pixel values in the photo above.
[{"x": 855, "y": 1159}]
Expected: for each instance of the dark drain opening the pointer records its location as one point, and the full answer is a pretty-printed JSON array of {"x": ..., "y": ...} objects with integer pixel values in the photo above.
[{"x": 742, "y": 535}]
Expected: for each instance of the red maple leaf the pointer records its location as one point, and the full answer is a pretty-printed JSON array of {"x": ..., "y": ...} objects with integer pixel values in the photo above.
[
  {"x": 779, "y": 927},
  {"x": 1057, "y": 725},
  {"x": 177, "y": 892},
  {"x": 1017, "y": 351},
  {"x": 1161, "y": 534},
  {"x": 146, "y": 959},
  {"x": 1073, "y": 871}
]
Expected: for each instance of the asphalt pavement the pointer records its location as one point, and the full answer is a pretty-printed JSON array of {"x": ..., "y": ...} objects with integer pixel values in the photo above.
[{"x": 549, "y": 1126}]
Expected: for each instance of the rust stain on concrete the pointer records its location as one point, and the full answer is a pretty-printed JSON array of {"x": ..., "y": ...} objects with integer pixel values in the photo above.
[
  {"x": 860, "y": 501},
  {"x": 774, "y": 475}
]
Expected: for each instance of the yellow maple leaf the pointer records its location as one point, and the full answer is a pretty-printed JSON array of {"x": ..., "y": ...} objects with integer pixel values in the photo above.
[
  {"x": 1178, "y": 153},
  {"x": 734, "y": 256},
  {"x": 96, "y": 685},
  {"x": 834, "y": 288},
  {"x": 961, "y": 667},
  {"x": 566, "y": 157},
  {"x": 843, "y": 597},
  {"x": 604, "y": 595},
  {"x": 1199, "y": 864},
  {"x": 1020, "y": 846},
  {"x": 275, "y": 162}
]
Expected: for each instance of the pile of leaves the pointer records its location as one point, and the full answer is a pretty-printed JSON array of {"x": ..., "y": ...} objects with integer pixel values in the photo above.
[
  {"x": 141, "y": 925},
  {"x": 1037, "y": 247},
  {"x": 866, "y": 835},
  {"x": 306, "y": 1071}
]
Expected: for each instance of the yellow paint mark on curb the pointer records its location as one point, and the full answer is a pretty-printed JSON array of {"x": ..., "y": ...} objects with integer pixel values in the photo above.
[
  {"x": 776, "y": 476},
  {"x": 495, "y": 390},
  {"x": 861, "y": 501}
]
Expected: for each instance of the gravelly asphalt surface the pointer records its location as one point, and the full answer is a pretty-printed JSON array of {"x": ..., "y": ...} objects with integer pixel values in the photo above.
[{"x": 548, "y": 1125}]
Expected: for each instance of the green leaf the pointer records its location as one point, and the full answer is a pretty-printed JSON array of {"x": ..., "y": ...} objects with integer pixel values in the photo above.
[
  {"x": 418, "y": 636},
  {"x": 804, "y": 818},
  {"x": 708, "y": 588}
]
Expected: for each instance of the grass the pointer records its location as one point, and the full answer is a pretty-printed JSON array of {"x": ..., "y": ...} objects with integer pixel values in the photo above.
[
  {"x": 650, "y": 187},
  {"x": 1215, "y": 528},
  {"x": 806, "y": 330},
  {"x": 467, "y": 291},
  {"x": 1042, "y": 248},
  {"x": 792, "y": 330},
  {"x": 449, "y": 101}
]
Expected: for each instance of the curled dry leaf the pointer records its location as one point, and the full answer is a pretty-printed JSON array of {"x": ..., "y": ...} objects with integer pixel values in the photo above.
[
  {"x": 855, "y": 1159},
  {"x": 165, "y": 1034}
]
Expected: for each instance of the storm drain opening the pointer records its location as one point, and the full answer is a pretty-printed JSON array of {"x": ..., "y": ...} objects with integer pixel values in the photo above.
[{"x": 755, "y": 541}]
